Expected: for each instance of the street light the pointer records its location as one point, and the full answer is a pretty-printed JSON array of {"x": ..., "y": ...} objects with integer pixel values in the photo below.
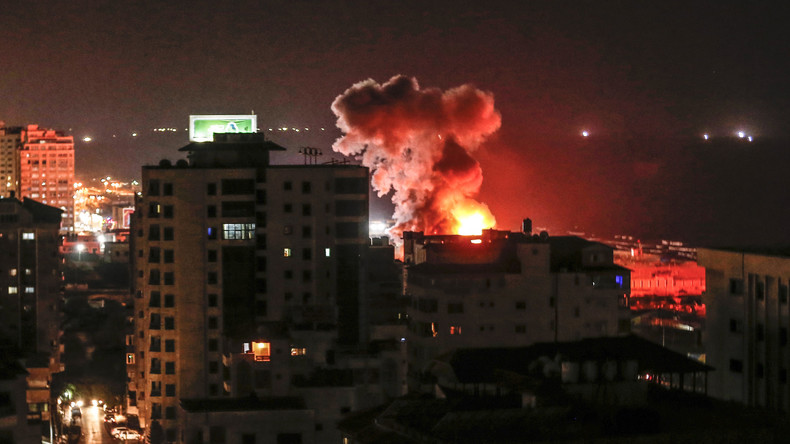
[{"x": 80, "y": 248}]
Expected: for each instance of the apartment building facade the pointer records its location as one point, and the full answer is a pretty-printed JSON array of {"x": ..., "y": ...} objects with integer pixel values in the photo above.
[{"x": 246, "y": 276}]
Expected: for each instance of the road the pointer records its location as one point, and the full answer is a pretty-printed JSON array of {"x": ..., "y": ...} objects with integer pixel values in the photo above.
[{"x": 93, "y": 426}]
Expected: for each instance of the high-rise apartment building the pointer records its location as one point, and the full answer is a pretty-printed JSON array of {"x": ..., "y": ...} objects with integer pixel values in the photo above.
[
  {"x": 247, "y": 277},
  {"x": 10, "y": 140},
  {"x": 508, "y": 289},
  {"x": 30, "y": 297},
  {"x": 39, "y": 164},
  {"x": 748, "y": 319}
]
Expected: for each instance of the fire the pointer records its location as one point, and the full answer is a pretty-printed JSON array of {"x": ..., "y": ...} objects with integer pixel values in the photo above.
[{"x": 471, "y": 218}]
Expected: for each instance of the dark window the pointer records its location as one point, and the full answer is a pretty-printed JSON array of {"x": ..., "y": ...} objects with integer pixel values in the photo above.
[
  {"x": 170, "y": 323},
  {"x": 169, "y": 278},
  {"x": 156, "y": 411},
  {"x": 287, "y": 208},
  {"x": 170, "y": 345},
  {"x": 288, "y": 274},
  {"x": 350, "y": 208},
  {"x": 170, "y": 390},
  {"x": 306, "y": 209},
  {"x": 168, "y": 211},
  {"x": 212, "y": 278},
  {"x": 287, "y": 185},
  {"x": 736, "y": 326},
  {"x": 212, "y": 233},
  {"x": 167, "y": 189},
  {"x": 170, "y": 368},
  {"x": 213, "y": 345},
  {"x": 153, "y": 277},
  {"x": 293, "y": 438},
  {"x": 170, "y": 301},
  {"x": 212, "y": 300},
  {"x": 736, "y": 286},
  {"x": 156, "y": 321},
  {"x": 783, "y": 336},
  {"x": 307, "y": 254},
  {"x": 347, "y": 230},
  {"x": 260, "y": 285},
  {"x": 156, "y": 366},
  {"x": 238, "y": 186},
  {"x": 238, "y": 209},
  {"x": 759, "y": 332},
  {"x": 455, "y": 307},
  {"x": 261, "y": 308},
  {"x": 306, "y": 187},
  {"x": 213, "y": 367},
  {"x": 521, "y": 328},
  {"x": 212, "y": 255},
  {"x": 260, "y": 265},
  {"x": 759, "y": 290},
  {"x": 170, "y": 412},
  {"x": 211, "y": 189},
  {"x": 351, "y": 185},
  {"x": 153, "y": 255},
  {"x": 783, "y": 375},
  {"x": 153, "y": 187},
  {"x": 260, "y": 219},
  {"x": 153, "y": 233},
  {"x": 260, "y": 197},
  {"x": 155, "y": 344},
  {"x": 760, "y": 370},
  {"x": 156, "y": 388},
  {"x": 782, "y": 294},
  {"x": 211, "y": 211},
  {"x": 213, "y": 322},
  {"x": 307, "y": 232},
  {"x": 168, "y": 233},
  {"x": 521, "y": 305},
  {"x": 736, "y": 366},
  {"x": 248, "y": 438},
  {"x": 154, "y": 300},
  {"x": 216, "y": 435},
  {"x": 307, "y": 276}
]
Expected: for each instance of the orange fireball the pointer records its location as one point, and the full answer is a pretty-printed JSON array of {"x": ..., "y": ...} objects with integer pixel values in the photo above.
[{"x": 472, "y": 217}]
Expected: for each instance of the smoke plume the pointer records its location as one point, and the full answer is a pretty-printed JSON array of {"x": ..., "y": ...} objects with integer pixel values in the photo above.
[{"x": 418, "y": 143}]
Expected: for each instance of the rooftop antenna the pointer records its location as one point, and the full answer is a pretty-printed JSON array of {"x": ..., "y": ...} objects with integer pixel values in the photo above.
[{"x": 310, "y": 155}]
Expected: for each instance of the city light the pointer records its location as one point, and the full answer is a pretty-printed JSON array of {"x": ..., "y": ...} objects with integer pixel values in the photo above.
[
  {"x": 741, "y": 134},
  {"x": 585, "y": 133},
  {"x": 705, "y": 136},
  {"x": 86, "y": 139}
]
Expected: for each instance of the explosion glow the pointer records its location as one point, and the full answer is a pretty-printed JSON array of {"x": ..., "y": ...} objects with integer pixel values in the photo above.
[{"x": 418, "y": 145}]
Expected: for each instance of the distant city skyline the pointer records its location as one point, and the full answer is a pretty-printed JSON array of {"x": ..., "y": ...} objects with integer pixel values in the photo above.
[{"x": 645, "y": 81}]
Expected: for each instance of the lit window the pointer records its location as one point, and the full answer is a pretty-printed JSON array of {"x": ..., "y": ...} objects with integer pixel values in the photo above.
[
  {"x": 130, "y": 358},
  {"x": 262, "y": 351},
  {"x": 295, "y": 351},
  {"x": 286, "y": 252},
  {"x": 238, "y": 231},
  {"x": 12, "y": 290},
  {"x": 30, "y": 290},
  {"x": 455, "y": 329},
  {"x": 28, "y": 236},
  {"x": 12, "y": 272},
  {"x": 327, "y": 252}
]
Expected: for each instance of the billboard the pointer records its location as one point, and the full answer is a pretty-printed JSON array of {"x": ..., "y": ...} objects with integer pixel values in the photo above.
[{"x": 203, "y": 127}]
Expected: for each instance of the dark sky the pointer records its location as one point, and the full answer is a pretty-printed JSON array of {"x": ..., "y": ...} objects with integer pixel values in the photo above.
[{"x": 646, "y": 78}]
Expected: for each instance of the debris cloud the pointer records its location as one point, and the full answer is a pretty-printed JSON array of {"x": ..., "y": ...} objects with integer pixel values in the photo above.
[{"x": 418, "y": 144}]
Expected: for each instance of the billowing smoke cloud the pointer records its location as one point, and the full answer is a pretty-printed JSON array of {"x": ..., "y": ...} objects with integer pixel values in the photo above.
[{"x": 419, "y": 143}]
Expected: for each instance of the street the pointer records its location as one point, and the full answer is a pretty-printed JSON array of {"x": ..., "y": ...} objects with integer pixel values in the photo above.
[{"x": 93, "y": 426}]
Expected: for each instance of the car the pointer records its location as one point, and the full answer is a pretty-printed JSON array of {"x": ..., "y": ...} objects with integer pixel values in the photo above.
[
  {"x": 76, "y": 412},
  {"x": 116, "y": 432},
  {"x": 125, "y": 434}
]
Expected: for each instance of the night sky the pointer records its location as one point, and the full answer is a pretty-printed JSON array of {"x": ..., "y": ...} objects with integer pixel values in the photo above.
[{"x": 647, "y": 79}]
